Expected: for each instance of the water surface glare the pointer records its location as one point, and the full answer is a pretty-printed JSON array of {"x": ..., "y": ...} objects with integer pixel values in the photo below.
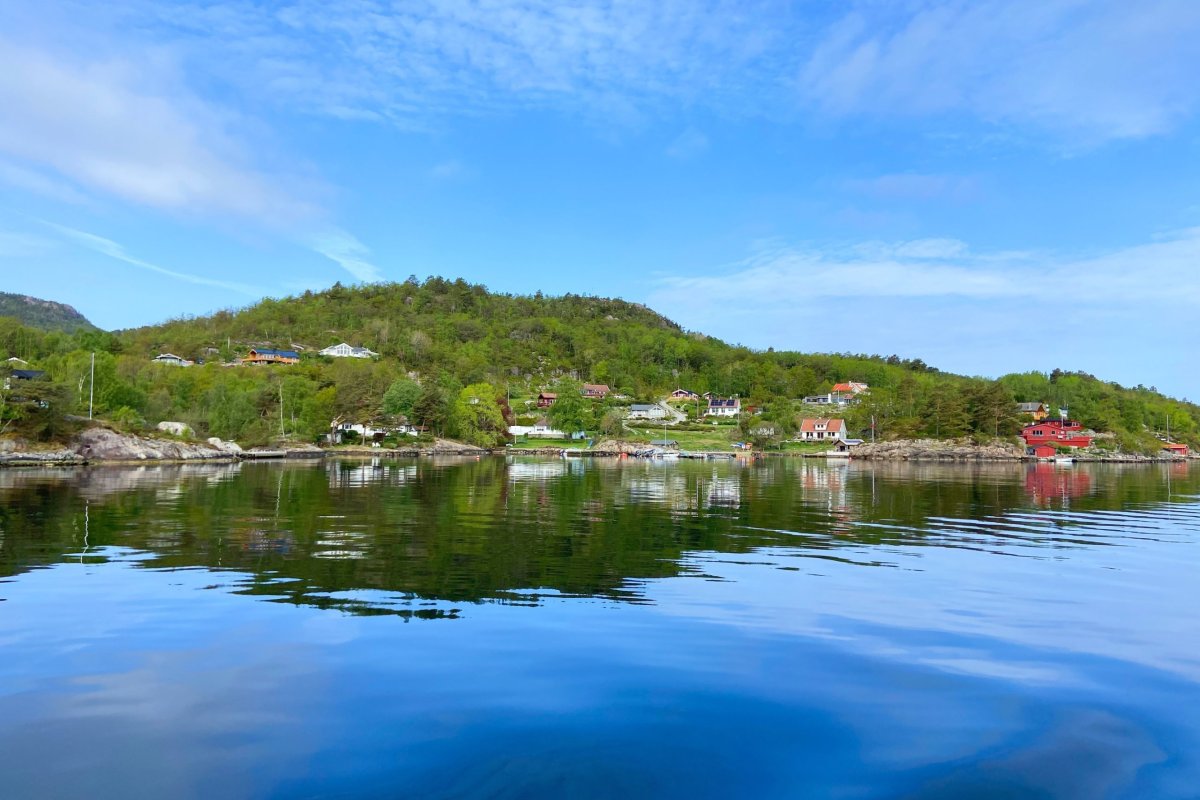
[{"x": 592, "y": 629}]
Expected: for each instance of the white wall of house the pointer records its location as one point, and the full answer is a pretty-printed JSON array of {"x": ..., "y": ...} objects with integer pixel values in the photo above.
[{"x": 344, "y": 350}]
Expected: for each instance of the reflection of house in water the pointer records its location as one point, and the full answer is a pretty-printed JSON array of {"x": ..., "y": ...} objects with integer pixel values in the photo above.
[
  {"x": 723, "y": 492},
  {"x": 537, "y": 470},
  {"x": 668, "y": 489},
  {"x": 344, "y": 475},
  {"x": 1046, "y": 482},
  {"x": 825, "y": 485},
  {"x": 262, "y": 541}
]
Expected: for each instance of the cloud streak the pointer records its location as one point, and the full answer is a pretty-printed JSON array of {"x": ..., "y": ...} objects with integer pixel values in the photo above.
[
  {"x": 104, "y": 125},
  {"x": 1072, "y": 68},
  {"x": 972, "y": 311},
  {"x": 347, "y": 251},
  {"x": 115, "y": 251},
  {"x": 787, "y": 276}
]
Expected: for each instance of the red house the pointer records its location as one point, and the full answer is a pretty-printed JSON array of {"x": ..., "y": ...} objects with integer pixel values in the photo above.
[
  {"x": 1062, "y": 432},
  {"x": 1175, "y": 448},
  {"x": 596, "y": 391},
  {"x": 546, "y": 399}
]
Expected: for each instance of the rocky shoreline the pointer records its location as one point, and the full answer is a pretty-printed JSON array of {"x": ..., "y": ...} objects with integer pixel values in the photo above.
[
  {"x": 998, "y": 450},
  {"x": 100, "y": 444}
]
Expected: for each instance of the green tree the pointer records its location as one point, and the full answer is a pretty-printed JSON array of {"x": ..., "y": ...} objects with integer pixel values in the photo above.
[
  {"x": 401, "y": 397},
  {"x": 571, "y": 412},
  {"x": 433, "y": 409},
  {"x": 477, "y": 415}
]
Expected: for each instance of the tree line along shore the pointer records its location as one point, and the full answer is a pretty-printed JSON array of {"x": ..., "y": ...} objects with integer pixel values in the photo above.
[{"x": 451, "y": 360}]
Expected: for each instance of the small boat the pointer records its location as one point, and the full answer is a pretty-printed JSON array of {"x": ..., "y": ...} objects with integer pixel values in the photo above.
[{"x": 1067, "y": 460}]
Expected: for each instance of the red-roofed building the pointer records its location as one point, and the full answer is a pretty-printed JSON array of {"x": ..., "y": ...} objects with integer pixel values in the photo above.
[
  {"x": 820, "y": 430},
  {"x": 1175, "y": 448},
  {"x": 596, "y": 391},
  {"x": 1062, "y": 432},
  {"x": 546, "y": 399}
]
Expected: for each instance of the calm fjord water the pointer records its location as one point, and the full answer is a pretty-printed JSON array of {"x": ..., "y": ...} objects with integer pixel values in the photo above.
[{"x": 551, "y": 628}]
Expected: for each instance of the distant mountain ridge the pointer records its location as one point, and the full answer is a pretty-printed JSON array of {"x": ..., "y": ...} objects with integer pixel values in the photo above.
[{"x": 44, "y": 314}]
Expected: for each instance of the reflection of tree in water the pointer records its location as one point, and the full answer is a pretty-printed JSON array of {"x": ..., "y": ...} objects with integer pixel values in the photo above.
[{"x": 392, "y": 536}]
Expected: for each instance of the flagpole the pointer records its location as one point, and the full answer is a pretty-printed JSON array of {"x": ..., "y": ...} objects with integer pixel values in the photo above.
[{"x": 92, "y": 385}]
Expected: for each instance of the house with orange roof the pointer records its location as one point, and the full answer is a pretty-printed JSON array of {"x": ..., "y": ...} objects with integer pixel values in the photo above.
[{"x": 821, "y": 430}]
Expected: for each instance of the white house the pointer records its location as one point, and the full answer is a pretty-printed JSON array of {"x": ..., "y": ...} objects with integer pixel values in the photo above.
[
  {"x": 539, "y": 430},
  {"x": 344, "y": 350},
  {"x": 647, "y": 411},
  {"x": 171, "y": 359},
  {"x": 723, "y": 407},
  {"x": 367, "y": 431},
  {"x": 820, "y": 430}
]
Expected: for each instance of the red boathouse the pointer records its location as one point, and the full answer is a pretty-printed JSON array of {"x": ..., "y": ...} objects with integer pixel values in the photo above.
[{"x": 1063, "y": 432}]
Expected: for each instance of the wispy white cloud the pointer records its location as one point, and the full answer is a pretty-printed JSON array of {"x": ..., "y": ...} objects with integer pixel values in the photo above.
[
  {"x": 412, "y": 62},
  {"x": 791, "y": 277},
  {"x": 349, "y": 252},
  {"x": 688, "y": 144},
  {"x": 1082, "y": 70},
  {"x": 449, "y": 170},
  {"x": 1090, "y": 69},
  {"x": 980, "y": 312},
  {"x": 14, "y": 244},
  {"x": 131, "y": 131},
  {"x": 916, "y": 186},
  {"x": 1079, "y": 69},
  {"x": 114, "y": 250},
  {"x": 33, "y": 181}
]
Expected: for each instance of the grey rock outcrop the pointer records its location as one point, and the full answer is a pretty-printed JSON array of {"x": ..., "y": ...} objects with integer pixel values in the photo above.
[
  {"x": 103, "y": 444},
  {"x": 939, "y": 450}
]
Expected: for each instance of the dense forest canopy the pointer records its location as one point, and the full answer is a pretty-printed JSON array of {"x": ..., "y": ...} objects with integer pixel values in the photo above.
[{"x": 437, "y": 339}]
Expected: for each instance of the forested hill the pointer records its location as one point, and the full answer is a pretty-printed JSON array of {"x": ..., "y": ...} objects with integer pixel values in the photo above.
[
  {"x": 45, "y": 315},
  {"x": 451, "y": 336}
]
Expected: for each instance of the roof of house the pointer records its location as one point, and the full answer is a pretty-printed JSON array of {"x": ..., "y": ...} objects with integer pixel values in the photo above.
[
  {"x": 162, "y": 356},
  {"x": 266, "y": 351},
  {"x": 548, "y": 395},
  {"x": 1030, "y": 406},
  {"x": 850, "y": 386},
  {"x": 724, "y": 402},
  {"x": 596, "y": 387},
  {"x": 663, "y": 442},
  {"x": 684, "y": 391},
  {"x": 810, "y": 425},
  {"x": 642, "y": 406},
  {"x": 27, "y": 374}
]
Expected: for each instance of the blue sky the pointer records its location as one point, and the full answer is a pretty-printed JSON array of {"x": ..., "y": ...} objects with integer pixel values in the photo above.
[{"x": 991, "y": 186}]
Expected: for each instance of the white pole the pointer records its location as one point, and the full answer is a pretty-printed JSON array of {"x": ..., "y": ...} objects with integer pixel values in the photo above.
[{"x": 92, "y": 385}]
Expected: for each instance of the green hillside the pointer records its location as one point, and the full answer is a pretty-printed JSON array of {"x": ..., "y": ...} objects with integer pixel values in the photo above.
[
  {"x": 443, "y": 344},
  {"x": 42, "y": 314}
]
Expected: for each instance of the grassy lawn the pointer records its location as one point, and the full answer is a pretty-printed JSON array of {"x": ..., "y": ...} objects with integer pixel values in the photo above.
[
  {"x": 718, "y": 439},
  {"x": 538, "y": 441}
]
